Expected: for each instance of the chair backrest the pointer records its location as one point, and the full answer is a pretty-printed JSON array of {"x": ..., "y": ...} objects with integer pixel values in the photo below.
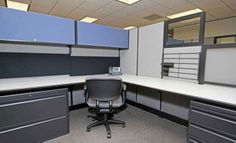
[{"x": 104, "y": 88}]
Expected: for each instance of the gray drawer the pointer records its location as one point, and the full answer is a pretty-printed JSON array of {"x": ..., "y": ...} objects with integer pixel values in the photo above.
[
  {"x": 37, "y": 132},
  {"x": 215, "y": 123},
  {"x": 214, "y": 109},
  {"x": 31, "y": 95},
  {"x": 207, "y": 136},
  {"x": 37, "y": 107},
  {"x": 194, "y": 140},
  {"x": 215, "y": 118}
]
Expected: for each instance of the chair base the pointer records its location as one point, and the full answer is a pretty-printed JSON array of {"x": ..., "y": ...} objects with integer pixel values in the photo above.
[{"x": 104, "y": 121}]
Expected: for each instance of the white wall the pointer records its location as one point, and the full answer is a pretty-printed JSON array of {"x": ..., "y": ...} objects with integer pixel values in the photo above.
[
  {"x": 220, "y": 65},
  {"x": 150, "y": 50},
  {"x": 128, "y": 58}
]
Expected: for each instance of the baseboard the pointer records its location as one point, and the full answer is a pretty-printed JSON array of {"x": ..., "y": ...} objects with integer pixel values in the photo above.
[{"x": 159, "y": 113}]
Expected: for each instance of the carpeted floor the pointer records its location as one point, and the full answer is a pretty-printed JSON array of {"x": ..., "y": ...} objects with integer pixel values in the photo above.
[{"x": 141, "y": 127}]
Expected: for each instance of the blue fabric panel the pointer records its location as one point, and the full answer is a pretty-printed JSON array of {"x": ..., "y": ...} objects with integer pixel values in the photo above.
[
  {"x": 30, "y": 27},
  {"x": 90, "y": 34}
]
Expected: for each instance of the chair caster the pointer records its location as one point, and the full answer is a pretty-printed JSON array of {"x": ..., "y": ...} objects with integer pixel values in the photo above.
[
  {"x": 108, "y": 136},
  {"x": 123, "y": 125},
  {"x": 88, "y": 129}
]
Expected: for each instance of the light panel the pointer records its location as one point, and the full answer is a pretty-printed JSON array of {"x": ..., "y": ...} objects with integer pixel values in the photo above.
[
  {"x": 129, "y": 2},
  {"x": 197, "y": 10},
  {"x": 17, "y": 5},
  {"x": 89, "y": 19},
  {"x": 129, "y": 27}
]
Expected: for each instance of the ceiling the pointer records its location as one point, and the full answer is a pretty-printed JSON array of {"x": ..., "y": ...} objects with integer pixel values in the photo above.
[{"x": 114, "y": 13}]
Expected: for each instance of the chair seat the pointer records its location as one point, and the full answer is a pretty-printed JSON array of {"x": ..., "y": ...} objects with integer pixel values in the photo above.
[{"x": 115, "y": 104}]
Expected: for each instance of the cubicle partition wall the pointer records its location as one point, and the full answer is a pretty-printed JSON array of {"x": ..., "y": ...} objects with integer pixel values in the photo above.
[
  {"x": 220, "y": 66},
  {"x": 87, "y": 61},
  {"x": 18, "y": 60}
]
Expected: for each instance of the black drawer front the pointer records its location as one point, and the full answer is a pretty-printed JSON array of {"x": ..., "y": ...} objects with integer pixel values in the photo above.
[
  {"x": 31, "y": 111},
  {"x": 221, "y": 125},
  {"x": 194, "y": 140},
  {"x": 31, "y": 95},
  {"x": 207, "y": 136},
  {"x": 35, "y": 133},
  {"x": 215, "y": 110},
  {"x": 219, "y": 119}
]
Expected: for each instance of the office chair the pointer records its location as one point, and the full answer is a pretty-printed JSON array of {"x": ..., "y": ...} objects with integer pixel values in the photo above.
[{"x": 104, "y": 94}]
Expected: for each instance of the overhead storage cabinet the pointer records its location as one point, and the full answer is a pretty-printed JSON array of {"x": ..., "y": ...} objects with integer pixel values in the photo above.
[
  {"x": 89, "y": 34},
  {"x": 32, "y": 27}
]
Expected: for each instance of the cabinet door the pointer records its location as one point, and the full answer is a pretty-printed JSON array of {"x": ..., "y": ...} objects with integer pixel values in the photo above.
[
  {"x": 32, "y": 27},
  {"x": 148, "y": 97},
  {"x": 102, "y": 36}
]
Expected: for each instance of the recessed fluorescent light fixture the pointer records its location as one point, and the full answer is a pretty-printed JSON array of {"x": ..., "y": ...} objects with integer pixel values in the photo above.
[
  {"x": 17, "y": 5},
  {"x": 197, "y": 10},
  {"x": 129, "y": 27},
  {"x": 129, "y": 2},
  {"x": 89, "y": 19}
]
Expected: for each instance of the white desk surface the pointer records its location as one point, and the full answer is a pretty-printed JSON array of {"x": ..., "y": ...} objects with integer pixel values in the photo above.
[{"x": 226, "y": 95}]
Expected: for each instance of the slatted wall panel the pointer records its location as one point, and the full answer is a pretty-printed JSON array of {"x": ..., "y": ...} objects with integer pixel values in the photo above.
[{"x": 185, "y": 62}]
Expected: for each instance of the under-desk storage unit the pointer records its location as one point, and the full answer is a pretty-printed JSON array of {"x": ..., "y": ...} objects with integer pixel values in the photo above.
[
  {"x": 211, "y": 123},
  {"x": 33, "y": 117},
  {"x": 20, "y": 26},
  {"x": 89, "y": 34}
]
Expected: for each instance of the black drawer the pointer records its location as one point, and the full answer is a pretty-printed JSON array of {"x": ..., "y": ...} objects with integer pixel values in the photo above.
[
  {"x": 207, "y": 136},
  {"x": 218, "y": 124},
  {"x": 37, "y": 107},
  {"x": 218, "y": 119},
  {"x": 31, "y": 95},
  {"x": 214, "y": 109},
  {"x": 37, "y": 132}
]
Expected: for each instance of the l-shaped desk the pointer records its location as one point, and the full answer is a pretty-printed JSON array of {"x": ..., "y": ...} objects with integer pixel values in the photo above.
[
  {"x": 224, "y": 114},
  {"x": 225, "y": 95}
]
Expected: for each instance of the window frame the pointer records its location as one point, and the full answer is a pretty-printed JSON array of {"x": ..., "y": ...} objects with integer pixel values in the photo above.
[{"x": 201, "y": 30}]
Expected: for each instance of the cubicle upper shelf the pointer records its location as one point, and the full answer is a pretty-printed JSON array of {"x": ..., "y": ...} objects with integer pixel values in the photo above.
[
  {"x": 20, "y": 26},
  {"x": 89, "y": 34}
]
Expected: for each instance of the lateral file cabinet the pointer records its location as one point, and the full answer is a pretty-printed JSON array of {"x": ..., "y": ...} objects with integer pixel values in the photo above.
[
  {"x": 210, "y": 123},
  {"x": 90, "y": 34},
  {"x": 33, "y": 117},
  {"x": 33, "y": 27}
]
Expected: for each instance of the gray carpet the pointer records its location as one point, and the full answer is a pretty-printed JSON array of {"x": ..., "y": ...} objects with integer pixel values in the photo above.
[{"x": 141, "y": 127}]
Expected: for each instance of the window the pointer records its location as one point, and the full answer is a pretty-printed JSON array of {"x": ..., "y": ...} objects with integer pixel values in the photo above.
[
  {"x": 184, "y": 31},
  {"x": 225, "y": 39}
]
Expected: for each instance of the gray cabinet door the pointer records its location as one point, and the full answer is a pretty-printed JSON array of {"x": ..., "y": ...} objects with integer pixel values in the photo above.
[{"x": 148, "y": 97}]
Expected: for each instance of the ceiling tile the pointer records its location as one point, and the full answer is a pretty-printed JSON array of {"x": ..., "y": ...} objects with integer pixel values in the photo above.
[
  {"x": 215, "y": 8},
  {"x": 64, "y": 7},
  {"x": 160, "y": 10},
  {"x": 79, "y": 14},
  {"x": 116, "y": 5},
  {"x": 93, "y": 4},
  {"x": 177, "y": 5},
  {"x": 231, "y": 4},
  {"x": 102, "y": 12},
  {"x": 144, "y": 4},
  {"x": 42, "y": 6}
]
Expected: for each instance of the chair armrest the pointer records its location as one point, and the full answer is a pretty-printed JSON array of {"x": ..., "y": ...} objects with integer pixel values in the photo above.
[
  {"x": 85, "y": 93},
  {"x": 123, "y": 92}
]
